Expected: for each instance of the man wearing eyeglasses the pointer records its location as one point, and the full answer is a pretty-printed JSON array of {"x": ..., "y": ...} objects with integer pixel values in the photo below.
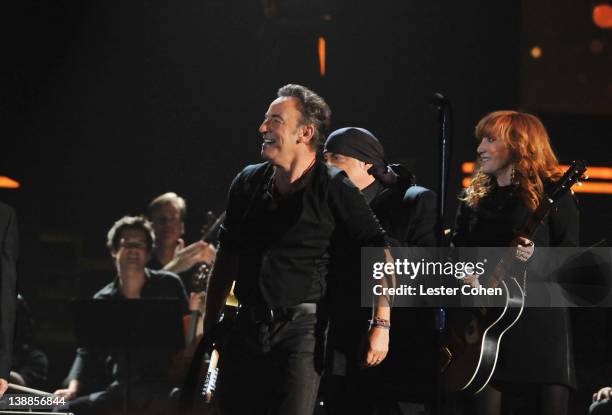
[{"x": 130, "y": 241}]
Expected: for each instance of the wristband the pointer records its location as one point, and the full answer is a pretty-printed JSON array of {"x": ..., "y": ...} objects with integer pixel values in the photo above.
[{"x": 379, "y": 322}]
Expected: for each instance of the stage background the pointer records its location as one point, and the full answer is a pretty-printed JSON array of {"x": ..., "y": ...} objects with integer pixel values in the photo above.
[{"x": 109, "y": 104}]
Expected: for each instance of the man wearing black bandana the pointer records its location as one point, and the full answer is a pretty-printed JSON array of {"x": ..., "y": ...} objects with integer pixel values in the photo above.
[
  {"x": 408, "y": 214},
  {"x": 284, "y": 217}
]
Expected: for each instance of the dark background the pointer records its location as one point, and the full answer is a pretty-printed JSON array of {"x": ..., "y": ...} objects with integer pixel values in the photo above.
[{"x": 109, "y": 104}]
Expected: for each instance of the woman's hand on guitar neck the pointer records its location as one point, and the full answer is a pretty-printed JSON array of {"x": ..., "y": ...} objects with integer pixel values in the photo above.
[
  {"x": 471, "y": 280},
  {"x": 524, "y": 249}
]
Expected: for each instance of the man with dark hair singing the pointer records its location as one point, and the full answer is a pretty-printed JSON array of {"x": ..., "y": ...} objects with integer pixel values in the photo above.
[{"x": 284, "y": 219}]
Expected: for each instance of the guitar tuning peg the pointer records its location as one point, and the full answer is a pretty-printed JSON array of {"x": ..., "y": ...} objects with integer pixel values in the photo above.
[
  {"x": 584, "y": 177},
  {"x": 578, "y": 183}
]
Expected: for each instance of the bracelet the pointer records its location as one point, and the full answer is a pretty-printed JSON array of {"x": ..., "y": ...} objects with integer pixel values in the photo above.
[{"x": 380, "y": 322}]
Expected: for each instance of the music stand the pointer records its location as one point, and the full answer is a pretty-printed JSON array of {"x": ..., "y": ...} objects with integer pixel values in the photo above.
[{"x": 128, "y": 326}]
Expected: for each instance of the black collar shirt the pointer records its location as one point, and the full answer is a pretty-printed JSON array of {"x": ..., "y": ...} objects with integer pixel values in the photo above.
[{"x": 285, "y": 243}]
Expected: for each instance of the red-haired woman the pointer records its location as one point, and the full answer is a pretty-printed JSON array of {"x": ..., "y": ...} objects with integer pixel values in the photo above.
[{"x": 516, "y": 164}]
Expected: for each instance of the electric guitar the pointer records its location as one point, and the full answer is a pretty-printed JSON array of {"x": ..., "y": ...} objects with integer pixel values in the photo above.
[
  {"x": 200, "y": 382},
  {"x": 473, "y": 337}
]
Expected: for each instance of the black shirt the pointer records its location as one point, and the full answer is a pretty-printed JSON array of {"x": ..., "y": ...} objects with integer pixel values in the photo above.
[
  {"x": 185, "y": 276},
  {"x": 146, "y": 364},
  {"x": 406, "y": 212},
  {"x": 285, "y": 243}
]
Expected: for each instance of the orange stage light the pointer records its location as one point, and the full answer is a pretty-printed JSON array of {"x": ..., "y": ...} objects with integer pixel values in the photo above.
[
  {"x": 322, "y": 53},
  {"x": 598, "y": 172},
  {"x": 594, "y": 187},
  {"x": 602, "y": 16},
  {"x": 585, "y": 187},
  {"x": 604, "y": 173},
  {"x": 8, "y": 183},
  {"x": 536, "y": 52},
  {"x": 468, "y": 167}
]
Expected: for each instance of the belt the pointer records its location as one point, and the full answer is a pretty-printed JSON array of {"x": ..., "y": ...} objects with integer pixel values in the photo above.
[{"x": 262, "y": 314}]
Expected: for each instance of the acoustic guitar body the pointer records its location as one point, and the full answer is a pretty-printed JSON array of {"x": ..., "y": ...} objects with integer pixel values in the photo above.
[{"x": 472, "y": 340}]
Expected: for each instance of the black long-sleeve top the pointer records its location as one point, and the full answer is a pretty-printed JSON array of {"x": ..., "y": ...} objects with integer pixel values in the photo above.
[{"x": 538, "y": 348}]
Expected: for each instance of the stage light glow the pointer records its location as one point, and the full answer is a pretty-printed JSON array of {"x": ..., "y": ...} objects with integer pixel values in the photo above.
[
  {"x": 594, "y": 172},
  {"x": 602, "y": 16},
  {"x": 536, "y": 52},
  {"x": 601, "y": 173},
  {"x": 583, "y": 187},
  {"x": 8, "y": 183},
  {"x": 322, "y": 55},
  {"x": 468, "y": 167},
  {"x": 596, "y": 46},
  {"x": 594, "y": 188}
]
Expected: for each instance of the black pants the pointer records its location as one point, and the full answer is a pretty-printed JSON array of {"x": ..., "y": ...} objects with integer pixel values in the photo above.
[{"x": 272, "y": 368}]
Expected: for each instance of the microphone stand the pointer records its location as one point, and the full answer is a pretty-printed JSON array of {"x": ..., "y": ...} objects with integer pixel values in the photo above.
[
  {"x": 445, "y": 132},
  {"x": 442, "y": 105}
]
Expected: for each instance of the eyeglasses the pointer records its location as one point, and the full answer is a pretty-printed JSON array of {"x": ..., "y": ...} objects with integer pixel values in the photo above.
[{"x": 132, "y": 244}]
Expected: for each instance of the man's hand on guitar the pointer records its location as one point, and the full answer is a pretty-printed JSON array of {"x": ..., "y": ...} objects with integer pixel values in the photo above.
[
  {"x": 196, "y": 302},
  {"x": 187, "y": 257},
  {"x": 603, "y": 393},
  {"x": 524, "y": 249}
]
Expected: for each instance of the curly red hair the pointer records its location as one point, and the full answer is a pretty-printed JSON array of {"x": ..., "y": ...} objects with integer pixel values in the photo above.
[{"x": 531, "y": 155}]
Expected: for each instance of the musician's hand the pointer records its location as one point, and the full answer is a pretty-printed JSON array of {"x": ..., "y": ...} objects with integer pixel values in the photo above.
[
  {"x": 67, "y": 394},
  {"x": 187, "y": 257},
  {"x": 3, "y": 386},
  {"x": 524, "y": 249},
  {"x": 70, "y": 392},
  {"x": 603, "y": 393},
  {"x": 471, "y": 280},
  {"x": 196, "y": 302},
  {"x": 377, "y": 346}
]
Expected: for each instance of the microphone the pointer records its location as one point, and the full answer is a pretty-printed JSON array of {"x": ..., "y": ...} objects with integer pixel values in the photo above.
[{"x": 438, "y": 101}]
